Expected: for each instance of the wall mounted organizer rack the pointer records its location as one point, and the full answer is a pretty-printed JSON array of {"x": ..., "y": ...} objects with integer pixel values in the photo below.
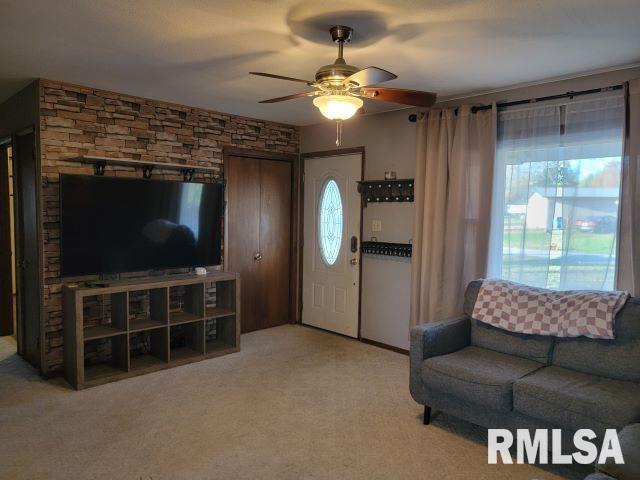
[
  {"x": 99, "y": 164},
  {"x": 127, "y": 328},
  {"x": 388, "y": 249},
  {"x": 386, "y": 190}
]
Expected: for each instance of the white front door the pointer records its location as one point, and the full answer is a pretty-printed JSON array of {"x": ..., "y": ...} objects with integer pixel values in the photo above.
[{"x": 331, "y": 269}]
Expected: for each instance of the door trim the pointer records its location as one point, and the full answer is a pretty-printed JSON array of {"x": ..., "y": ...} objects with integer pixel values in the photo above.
[
  {"x": 295, "y": 277},
  {"x": 327, "y": 153}
]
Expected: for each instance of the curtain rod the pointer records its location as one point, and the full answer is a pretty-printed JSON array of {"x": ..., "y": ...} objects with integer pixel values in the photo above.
[{"x": 414, "y": 117}]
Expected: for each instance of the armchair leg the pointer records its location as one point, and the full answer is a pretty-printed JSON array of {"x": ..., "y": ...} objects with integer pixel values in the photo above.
[{"x": 427, "y": 415}]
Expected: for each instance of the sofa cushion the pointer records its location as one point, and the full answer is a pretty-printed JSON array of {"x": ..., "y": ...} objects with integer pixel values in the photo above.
[
  {"x": 577, "y": 400},
  {"x": 619, "y": 358},
  {"x": 533, "y": 347},
  {"x": 477, "y": 375}
]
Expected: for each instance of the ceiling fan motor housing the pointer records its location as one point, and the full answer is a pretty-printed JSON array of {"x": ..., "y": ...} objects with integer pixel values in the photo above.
[
  {"x": 341, "y": 33},
  {"x": 330, "y": 77}
]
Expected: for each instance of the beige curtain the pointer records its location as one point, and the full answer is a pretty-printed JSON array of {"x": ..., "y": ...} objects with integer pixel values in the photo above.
[
  {"x": 628, "y": 276},
  {"x": 454, "y": 176}
]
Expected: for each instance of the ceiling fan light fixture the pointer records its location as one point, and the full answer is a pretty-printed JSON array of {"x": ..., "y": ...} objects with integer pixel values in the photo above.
[{"x": 338, "y": 107}]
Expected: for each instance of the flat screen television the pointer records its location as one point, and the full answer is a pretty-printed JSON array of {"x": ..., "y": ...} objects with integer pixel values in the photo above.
[{"x": 114, "y": 225}]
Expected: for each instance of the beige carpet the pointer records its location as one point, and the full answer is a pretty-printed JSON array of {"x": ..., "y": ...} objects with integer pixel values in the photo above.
[{"x": 296, "y": 403}]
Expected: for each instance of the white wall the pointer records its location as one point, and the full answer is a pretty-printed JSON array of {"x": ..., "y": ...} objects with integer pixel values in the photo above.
[{"x": 389, "y": 141}]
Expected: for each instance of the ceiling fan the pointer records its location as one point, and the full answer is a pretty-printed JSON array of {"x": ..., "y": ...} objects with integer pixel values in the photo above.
[{"x": 339, "y": 87}]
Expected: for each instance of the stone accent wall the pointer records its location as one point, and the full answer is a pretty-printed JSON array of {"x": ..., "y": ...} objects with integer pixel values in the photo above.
[{"x": 76, "y": 121}]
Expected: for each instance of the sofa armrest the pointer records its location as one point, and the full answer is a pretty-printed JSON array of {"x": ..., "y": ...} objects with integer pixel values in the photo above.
[
  {"x": 629, "y": 438},
  {"x": 439, "y": 338},
  {"x": 433, "y": 339}
]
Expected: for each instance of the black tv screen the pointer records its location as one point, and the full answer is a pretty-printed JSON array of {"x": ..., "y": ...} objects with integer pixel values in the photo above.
[{"x": 113, "y": 225}]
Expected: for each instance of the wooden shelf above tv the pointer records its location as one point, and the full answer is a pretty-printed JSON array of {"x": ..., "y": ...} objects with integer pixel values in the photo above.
[
  {"x": 106, "y": 352},
  {"x": 131, "y": 162}
]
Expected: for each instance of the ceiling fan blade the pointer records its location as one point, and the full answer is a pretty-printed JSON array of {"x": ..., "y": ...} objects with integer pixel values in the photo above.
[
  {"x": 369, "y": 76},
  {"x": 399, "y": 95},
  {"x": 290, "y": 97},
  {"x": 280, "y": 77}
]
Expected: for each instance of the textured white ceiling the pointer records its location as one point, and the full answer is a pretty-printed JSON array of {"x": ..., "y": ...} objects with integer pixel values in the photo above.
[{"x": 198, "y": 52}]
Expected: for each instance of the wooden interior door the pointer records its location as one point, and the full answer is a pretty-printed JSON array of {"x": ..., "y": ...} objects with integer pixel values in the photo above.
[
  {"x": 259, "y": 238},
  {"x": 6, "y": 260},
  {"x": 275, "y": 241},
  {"x": 27, "y": 248}
]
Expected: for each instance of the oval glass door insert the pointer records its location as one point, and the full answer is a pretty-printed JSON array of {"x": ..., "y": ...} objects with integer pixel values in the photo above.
[{"x": 330, "y": 222}]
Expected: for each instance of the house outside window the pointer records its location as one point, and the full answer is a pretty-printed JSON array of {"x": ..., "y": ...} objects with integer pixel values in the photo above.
[{"x": 556, "y": 193}]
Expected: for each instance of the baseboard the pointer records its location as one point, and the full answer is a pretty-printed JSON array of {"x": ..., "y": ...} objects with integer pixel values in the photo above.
[
  {"x": 385, "y": 346},
  {"x": 361, "y": 339}
]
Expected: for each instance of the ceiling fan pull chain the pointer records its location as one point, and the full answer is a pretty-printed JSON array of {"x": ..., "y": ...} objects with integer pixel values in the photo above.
[{"x": 338, "y": 133}]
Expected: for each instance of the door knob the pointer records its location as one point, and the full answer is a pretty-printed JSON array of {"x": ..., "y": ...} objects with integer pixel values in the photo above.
[
  {"x": 257, "y": 257},
  {"x": 354, "y": 261}
]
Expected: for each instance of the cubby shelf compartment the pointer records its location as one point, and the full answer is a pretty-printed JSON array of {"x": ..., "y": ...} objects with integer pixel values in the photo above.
[
  {"x": 148, "y": 348},
  {"x": 104, "y": 315},
  {"x": 132, "y": 327},
  {"x": 104, "y": 359},
  {"x": 186, "y": 341},
  {"x": 186, "y": 303},
  {"x": 148, "y": 309},
  {"x": 386, "y": 190},
  {"x": 220, "y": 334},
  {"x": 219, "y": 299}
]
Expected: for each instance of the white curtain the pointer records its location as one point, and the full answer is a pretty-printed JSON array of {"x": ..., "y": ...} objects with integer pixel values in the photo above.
[
  {"x": 452, "y": 199},
  {"x": 629, "y": 250},
  {"x": 556, "y": 193}
]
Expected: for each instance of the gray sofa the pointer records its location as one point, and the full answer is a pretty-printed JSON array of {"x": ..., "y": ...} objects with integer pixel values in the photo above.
[{"x": 498, "y": 379}]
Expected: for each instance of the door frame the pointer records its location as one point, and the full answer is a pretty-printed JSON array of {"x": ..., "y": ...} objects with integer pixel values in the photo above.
[
  {"x": 295, "y": 251},
  {"x": 329, "y": 153}
]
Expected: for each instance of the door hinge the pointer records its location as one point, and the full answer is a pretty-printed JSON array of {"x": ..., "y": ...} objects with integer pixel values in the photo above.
[{"x": 303, "y": 175}]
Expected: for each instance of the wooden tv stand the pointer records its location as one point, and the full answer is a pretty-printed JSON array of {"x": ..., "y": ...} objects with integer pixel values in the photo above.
[{"x": 127, "y": 328}]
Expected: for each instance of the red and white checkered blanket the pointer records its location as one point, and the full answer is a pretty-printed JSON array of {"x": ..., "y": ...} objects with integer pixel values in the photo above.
[{"x": 572, "y": 313}]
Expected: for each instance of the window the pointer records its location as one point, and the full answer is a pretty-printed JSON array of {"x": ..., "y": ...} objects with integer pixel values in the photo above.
[
  {"x": 330, "y": 222},
  {"x": 556, "y": 194}
]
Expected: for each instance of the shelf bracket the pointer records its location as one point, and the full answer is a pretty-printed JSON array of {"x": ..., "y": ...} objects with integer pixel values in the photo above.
[
  {"x": 146, "y": 171},
  {"x": 98, "y": 168},
  {"x": 187, "y": 174}
]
